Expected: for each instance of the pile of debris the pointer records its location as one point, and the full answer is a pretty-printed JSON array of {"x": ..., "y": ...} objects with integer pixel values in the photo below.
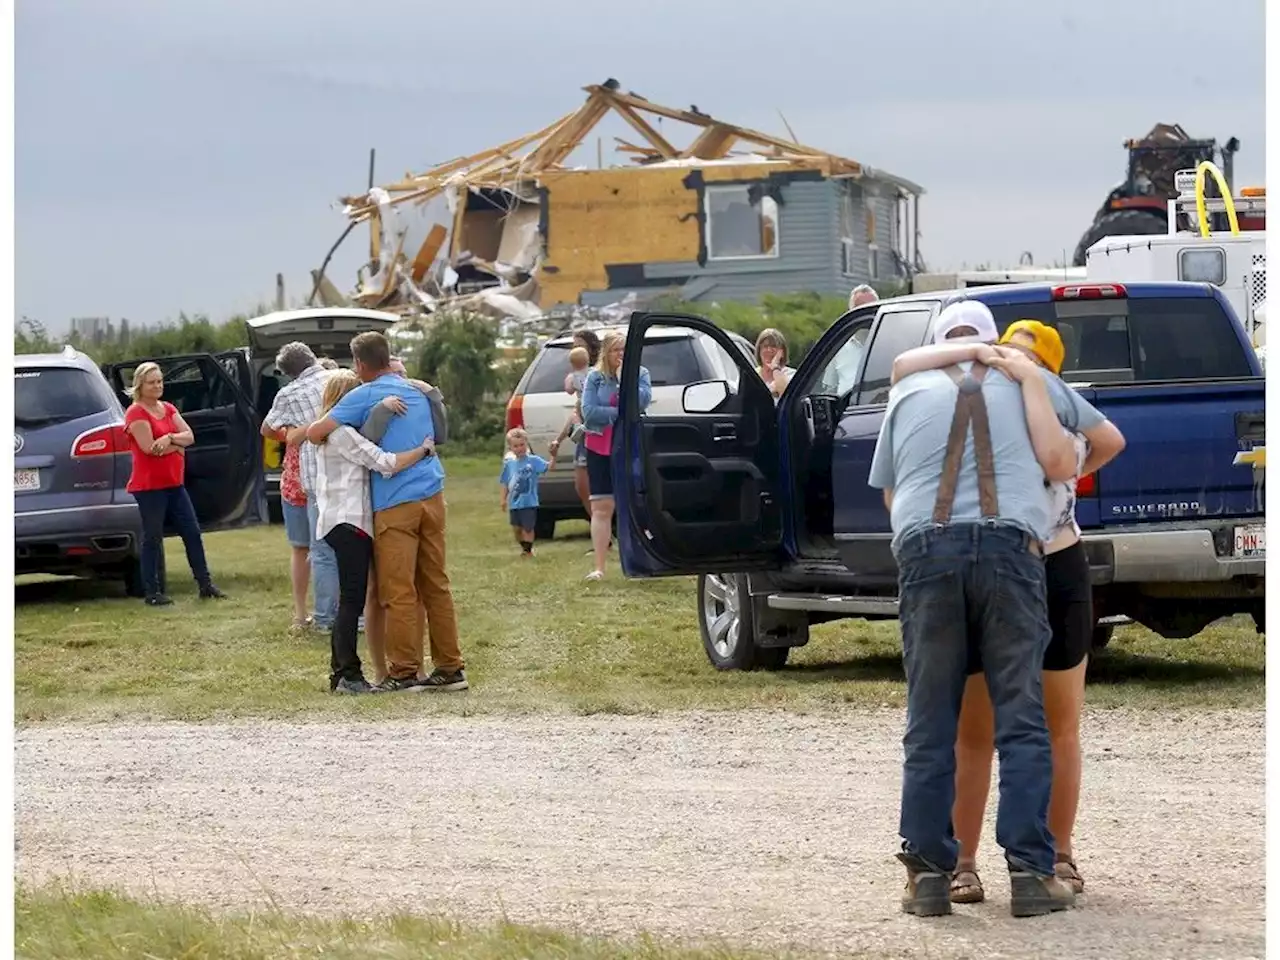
[{"x": 472, "y": 234}]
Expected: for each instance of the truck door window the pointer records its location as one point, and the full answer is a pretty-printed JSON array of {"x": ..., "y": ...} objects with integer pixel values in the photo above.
[
  {"x": 898, "y": 331},
  {"x": 840, "y": 375}
]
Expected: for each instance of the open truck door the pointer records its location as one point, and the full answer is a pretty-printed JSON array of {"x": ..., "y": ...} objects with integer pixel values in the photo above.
[
  {"x": 224, "y": 465},
  {"x": 698, "y": 490}
]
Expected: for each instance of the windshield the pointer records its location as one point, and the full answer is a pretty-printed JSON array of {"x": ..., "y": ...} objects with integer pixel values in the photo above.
[{"x": 55, "y": 395}]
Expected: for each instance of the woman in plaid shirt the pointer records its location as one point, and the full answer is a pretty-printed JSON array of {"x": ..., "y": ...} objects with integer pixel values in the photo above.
[{"x": 345, "y": 522}]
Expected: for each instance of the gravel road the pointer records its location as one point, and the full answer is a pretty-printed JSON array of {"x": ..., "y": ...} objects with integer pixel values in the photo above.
[{"x": 755, "y": 828}]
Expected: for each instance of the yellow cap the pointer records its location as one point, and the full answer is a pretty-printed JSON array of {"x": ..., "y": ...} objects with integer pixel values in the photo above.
[{"x": 1046, "y": 344}]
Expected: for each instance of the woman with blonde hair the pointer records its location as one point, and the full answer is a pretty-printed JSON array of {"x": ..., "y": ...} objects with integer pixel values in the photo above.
[
  {"x": 771, "y": 361},
  {"x": 599, "y": 414},
  {"x": 158, "y": 440},
  {"x": 345, "y": 522}
]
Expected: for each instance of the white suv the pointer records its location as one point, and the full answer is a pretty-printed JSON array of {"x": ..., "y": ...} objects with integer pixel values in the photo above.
[{"x": 675, "y": 356}]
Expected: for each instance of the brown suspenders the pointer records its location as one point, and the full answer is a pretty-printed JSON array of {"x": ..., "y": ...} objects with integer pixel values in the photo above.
[{"x": 971, "y": 407}]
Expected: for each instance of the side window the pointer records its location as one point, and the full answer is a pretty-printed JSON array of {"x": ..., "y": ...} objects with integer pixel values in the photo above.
[
  {"x": 840, "y": 375},
  {"x": 898, "y": 331}
]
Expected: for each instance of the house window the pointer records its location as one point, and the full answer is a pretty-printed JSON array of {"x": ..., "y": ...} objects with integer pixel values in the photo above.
[
  {"x": 848, "y": 258},
  {"x": 742, "y": 222},
  {"x": 873, "y": 261}
]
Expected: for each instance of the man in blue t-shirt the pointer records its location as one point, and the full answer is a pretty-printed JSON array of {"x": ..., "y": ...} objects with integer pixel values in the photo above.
[
  {"x": 408, "y": 522},
  {"x": 962, "y": 459}
]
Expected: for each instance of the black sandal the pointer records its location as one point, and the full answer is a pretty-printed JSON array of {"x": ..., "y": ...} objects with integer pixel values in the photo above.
[{"x": 964, "y": 890}]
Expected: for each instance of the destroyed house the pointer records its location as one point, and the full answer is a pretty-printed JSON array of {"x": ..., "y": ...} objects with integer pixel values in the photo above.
[{"x": 734, "y": 214}]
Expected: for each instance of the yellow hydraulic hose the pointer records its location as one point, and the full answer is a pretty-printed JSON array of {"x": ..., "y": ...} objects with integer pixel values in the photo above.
[{"x": 1207, "y": 166}]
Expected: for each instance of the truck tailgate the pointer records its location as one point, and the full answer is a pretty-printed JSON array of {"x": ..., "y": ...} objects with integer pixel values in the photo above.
[{"x": 1182, "y": 455}]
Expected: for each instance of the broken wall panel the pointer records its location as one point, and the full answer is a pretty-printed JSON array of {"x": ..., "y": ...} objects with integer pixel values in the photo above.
[{"x": 594, "y": 218}]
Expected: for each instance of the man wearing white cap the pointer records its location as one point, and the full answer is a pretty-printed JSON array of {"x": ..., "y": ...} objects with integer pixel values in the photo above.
[{"x": 962, "y": 459}]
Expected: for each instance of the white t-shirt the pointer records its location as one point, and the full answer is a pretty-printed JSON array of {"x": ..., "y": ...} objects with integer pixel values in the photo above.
[{"x": 1062, "y": 495}]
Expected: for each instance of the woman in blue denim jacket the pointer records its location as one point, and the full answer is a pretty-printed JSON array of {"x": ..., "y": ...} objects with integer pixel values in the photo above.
[{"x": 599, "y": 413}]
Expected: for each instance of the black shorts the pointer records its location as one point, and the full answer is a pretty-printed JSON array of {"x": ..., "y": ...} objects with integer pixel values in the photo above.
[
  {"x": 525, "y": 518},
  {"x": 599, "y": 477},
  {"x": 1070, "y": 596}
]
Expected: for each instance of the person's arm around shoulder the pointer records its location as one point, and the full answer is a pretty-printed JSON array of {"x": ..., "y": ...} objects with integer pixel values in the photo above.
[
  {"x": 938, "y": 356},
  {"x": 1055, "y": 450},
  {"x": 351, "y": 411},
  {"x": 375, "y": 426},
  {"x": 372, "y": 457}
]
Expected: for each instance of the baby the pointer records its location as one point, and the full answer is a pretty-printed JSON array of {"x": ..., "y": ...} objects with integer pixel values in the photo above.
[{"x": 520, "y": 487}]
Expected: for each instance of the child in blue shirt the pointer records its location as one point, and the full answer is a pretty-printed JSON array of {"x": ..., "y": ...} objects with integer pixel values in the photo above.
[{"x": 519, "y": 481}]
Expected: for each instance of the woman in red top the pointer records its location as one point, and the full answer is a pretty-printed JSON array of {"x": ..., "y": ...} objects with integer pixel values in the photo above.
[{"x": 158, "y": 438}]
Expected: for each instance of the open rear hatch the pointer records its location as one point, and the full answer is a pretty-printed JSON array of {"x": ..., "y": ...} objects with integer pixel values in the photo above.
[{"x": 327, "y": 330}]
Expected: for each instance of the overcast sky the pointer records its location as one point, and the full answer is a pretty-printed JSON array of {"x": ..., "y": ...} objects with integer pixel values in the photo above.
[{"x": 175, "y": 156}]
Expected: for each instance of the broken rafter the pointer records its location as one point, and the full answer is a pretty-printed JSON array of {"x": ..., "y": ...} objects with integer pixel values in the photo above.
[
  {"x": 644, "y": 129},
  {"x": 712, "y": 143}
]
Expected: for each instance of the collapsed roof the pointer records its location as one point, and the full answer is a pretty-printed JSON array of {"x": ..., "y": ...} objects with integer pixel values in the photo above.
[{"x": 418, "y": 274}]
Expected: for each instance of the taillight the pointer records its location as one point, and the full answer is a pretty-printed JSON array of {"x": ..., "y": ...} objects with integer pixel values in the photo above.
[
  {"x": 104, "y": 441},
  {"x": 1090, "y": 291},
  {"x": 1087, "y": 486},
  {"x": 515, "y": 411}
]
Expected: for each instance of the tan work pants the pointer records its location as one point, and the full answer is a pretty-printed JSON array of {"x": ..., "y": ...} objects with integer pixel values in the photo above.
[{"x": 408, "y": 544}]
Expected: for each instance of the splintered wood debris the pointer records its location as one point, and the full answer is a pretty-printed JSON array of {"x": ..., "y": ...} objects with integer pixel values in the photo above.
[{"x": 469, "y": 234}]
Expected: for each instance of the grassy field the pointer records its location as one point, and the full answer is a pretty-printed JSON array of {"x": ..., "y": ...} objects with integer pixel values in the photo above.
[
  {"x": 103, "y": 926},
  {"x": 535, "y": 636}
]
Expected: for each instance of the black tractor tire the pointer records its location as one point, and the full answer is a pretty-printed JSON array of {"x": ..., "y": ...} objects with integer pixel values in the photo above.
[
  {"x": 726, "y": 622},
  {"x": 1119, "y": 223}
]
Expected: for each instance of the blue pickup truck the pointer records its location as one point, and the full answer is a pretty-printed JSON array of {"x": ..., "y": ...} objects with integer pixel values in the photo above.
[{"x": 769, "y": 504}]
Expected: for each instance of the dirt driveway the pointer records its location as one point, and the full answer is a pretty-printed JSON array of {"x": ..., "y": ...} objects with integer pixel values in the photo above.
[{"x": 761, "y": 829}]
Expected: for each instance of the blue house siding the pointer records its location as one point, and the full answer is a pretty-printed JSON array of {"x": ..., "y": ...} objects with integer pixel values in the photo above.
[
  {"x": 808, "y": 254},
  {"x": 812, "y": 221}
]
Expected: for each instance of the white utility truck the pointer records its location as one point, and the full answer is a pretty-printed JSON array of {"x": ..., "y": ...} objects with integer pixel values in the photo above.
[{"x": 1234, "y": 260}]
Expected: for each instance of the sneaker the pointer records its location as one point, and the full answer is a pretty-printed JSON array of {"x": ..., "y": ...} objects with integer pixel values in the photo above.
[
  {"x": 209, "y": 592},
  {"x": 351, "y": 687},
  {"x": 446, "y": 680},
  {"x": 158, "y": 600},
  {"x": 401, "y": 685},
  {"x": 928, "y": 890},
  {"x": 594, "y": 575},
  {"x": 1034, "y": 896}
]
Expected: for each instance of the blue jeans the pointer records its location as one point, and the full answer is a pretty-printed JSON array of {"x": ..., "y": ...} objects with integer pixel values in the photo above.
[
  {"x": 981, "y": 583},
  {"x": 174, "y": 504},
  {"x": 324, "y": 572}
]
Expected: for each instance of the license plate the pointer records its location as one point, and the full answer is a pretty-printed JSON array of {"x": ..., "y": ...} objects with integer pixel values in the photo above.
[
  {"x": 1251, "y": 541},
  {"x": 26, "y": 479}
]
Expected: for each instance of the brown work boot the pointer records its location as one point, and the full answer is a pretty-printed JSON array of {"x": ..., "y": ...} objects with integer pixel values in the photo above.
[
  {"x": 928, "y": 891},
  {"x": 1032, "y": 895}
]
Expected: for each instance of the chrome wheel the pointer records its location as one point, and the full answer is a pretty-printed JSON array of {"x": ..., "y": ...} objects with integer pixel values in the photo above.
[{"x": 722, "y": 614}]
